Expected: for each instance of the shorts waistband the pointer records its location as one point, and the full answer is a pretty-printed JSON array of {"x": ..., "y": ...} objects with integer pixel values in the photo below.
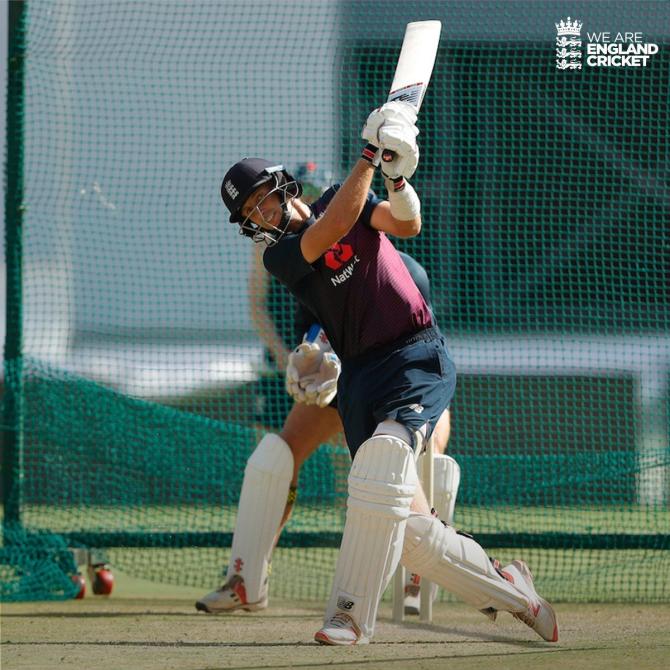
[{"x": 426, "y": 335}]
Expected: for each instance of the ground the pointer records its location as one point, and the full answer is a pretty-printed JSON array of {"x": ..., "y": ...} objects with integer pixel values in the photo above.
[{"x": 163, "y": 631}]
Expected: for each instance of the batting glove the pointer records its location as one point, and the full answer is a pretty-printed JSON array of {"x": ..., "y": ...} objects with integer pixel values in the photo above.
[
  {"x": 395, "y": 113},
  {"x": 313, "y": 369},
  {"x": 401, "y": 141},
  {"x": 321, "y": 387},
  {"x": 392, "y": 128}
]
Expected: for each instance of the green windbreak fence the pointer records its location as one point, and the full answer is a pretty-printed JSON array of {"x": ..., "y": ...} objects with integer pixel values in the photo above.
[{"x": 141, "y": 358}]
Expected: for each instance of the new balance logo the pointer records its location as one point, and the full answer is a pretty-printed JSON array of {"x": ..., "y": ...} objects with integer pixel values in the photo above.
[{"x": 344, "y": 604}]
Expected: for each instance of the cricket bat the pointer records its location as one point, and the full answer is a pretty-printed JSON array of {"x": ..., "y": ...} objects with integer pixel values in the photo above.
[{"x": 415, "y": 66}]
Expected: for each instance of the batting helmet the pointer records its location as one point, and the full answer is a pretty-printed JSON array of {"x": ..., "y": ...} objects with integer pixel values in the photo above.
[{"x": 243, "y": 178}]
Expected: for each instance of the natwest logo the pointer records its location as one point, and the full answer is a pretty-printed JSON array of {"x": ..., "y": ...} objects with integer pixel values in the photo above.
[{"x": 338, "y": 255}]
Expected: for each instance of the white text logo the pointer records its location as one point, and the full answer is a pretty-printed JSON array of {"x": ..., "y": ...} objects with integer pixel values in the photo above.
[
  {"x": 346, "y": 273},
  {"x": 604, "y": 49},
  {"x": 622, "y": 50}
]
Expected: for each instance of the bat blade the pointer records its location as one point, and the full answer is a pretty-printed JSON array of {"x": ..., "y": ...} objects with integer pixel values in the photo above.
[
  {"x": 415, "y": 67},
  {"x": 415, "y": 63}
]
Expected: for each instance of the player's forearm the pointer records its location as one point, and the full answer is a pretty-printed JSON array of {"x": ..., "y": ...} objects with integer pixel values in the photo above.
[
  {"x": 341, "y": 214},
  {"x": 386, "y": 220},
  {"x": 405, "y": 208},
  {"x": 347, "y": 204},
  {"x": 406, "y": 229}
]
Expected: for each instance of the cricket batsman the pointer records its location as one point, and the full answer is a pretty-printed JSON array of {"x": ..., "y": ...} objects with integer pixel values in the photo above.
[{"x": 397, "y": 375}]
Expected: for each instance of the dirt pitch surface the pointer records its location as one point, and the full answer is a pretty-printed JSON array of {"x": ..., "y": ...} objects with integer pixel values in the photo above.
[{"x": 123, "y": 632}]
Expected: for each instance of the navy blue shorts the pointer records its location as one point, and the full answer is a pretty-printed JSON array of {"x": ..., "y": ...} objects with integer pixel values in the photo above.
[{"x": 411, "y": 381}]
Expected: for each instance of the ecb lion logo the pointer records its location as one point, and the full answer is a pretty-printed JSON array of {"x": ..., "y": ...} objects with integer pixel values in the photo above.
[{"x": 338, "y": 255}]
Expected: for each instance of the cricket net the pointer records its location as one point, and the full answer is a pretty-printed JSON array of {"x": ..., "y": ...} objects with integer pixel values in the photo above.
[{"x": 136, "y": 379}]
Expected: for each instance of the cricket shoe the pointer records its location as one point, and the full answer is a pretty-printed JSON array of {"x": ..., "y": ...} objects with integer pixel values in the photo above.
[
  {"x": 412, "y": 596},
  {"x": 340, "y": 629},
  {"x": 230, "y": 597},
  {"x": 540, "y": 615}
]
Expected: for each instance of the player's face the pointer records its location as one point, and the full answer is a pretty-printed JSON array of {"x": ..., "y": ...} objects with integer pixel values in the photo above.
[{"x": 263, "y": 207}]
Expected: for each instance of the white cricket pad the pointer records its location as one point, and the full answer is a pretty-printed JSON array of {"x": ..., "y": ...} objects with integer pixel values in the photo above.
[
  {"x": 382, "y": 483},
  {"x": 267, "y": 478},
  {"x": 457, "y": 563},
  {"x": 446, "y": 479}
]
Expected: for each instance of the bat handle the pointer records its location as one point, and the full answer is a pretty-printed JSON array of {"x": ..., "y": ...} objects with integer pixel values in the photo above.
[{"x": 398, "y": 182}]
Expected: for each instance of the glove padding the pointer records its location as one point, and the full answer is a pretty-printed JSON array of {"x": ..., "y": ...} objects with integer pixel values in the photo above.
[
  {"x": 401, "y": 140},
  {"x": 394, "y": 114},
  {"x": 312, "y": 371}
]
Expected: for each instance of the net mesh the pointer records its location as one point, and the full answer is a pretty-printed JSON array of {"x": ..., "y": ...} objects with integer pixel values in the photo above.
[{"x": 153, "y": 345}]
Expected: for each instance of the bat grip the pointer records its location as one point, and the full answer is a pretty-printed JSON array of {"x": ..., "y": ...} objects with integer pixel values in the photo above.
[{"x": 398, "y": 182}]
